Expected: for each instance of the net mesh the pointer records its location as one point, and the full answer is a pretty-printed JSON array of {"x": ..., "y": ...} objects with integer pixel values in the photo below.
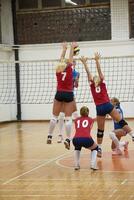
[{"x": 38, "y": 80}]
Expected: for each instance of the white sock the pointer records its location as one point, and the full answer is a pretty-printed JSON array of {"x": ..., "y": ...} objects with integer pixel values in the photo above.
[
  {"x": 68, "y": 126},
  {"x": 93, "y": 157},
  {"x": 61, "y": 123},
  {"x": 131, "y": 134},
  {"x": 122, "y": 143},
  {"x": 75, "y": 115},
  {"x": 99, "y": 145},
  {"x": 52, "y": 125},
  {"x": 77, "y": 157},
  {"x": 114, "y": 139}
]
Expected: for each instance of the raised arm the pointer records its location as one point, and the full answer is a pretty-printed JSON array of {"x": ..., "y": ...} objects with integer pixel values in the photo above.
[
  {"x": 97, "y": 58},
  {"x": 84, "y": 61},
  {"x": 71, "y": 53},
  {"x": 63, "y": 53}
]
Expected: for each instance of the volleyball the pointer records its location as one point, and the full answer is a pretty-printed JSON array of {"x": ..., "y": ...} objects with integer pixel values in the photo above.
[{"x": 76, "y": 50}]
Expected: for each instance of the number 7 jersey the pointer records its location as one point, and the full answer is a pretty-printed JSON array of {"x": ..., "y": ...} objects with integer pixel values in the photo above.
[
  {"x": 65, "y": 79},
  {"x": 83, "y": 126}
]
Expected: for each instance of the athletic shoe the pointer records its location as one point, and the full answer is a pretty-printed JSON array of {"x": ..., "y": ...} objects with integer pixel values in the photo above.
[
  {"x": 133, "y": 137},
  {"x": 99, "y": 152},
  {"x": 126, "y": 146},
  {"x": 49, "y": 139},
  {"x": 117, "y": 152},
  {"x": 60, "y": 139},
  {"x": 77, "y": 167},
  {"x": 67, "y": 144},
  {"x": 94, "y": 167}
]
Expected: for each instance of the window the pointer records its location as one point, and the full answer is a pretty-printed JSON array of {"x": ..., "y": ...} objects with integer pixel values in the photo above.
[
  {"x": 131, "y": 14},
  {"x": 99, "y": 1},
  {"x": 81, "y": 24},
  {"x": 79, "y": 2},
  {"x": 26, "y": 4},
  {"x": 51, "y": 3},
  {"x": 88, "y": 2}
]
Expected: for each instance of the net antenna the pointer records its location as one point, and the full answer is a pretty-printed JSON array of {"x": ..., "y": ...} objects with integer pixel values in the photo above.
[{"x": 71, "y": 2}]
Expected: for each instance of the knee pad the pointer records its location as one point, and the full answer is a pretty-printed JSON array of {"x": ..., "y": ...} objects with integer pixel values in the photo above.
[
  {"x": 61, "y": 115},
  {"x": 54, "y": 118},
  {"x": 122, "y": 123},
  {"x": 100, "y": 133},
  {"x": 95, "y": 149}
]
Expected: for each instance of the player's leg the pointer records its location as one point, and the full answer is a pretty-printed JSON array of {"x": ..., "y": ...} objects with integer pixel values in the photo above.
[
  {"x": 119, "y": 134},
  {"x": 57, "y": 105},
  {"x": 116, "y": 116},
  {"x": 77, "y": 151},
  {"x": 68, "y": 123},
  {"x": 94, "y": 150},
  {"x": 113, "y": 146},
  {"x": 75, "y": 113},
  {"x": 100, "y": 133},
  {"x": 116, "y": 150},
  {"x": 61, "y": 120}
]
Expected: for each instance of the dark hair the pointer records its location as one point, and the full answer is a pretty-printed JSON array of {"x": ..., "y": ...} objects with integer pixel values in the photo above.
[{"x": 84, "y": 111}]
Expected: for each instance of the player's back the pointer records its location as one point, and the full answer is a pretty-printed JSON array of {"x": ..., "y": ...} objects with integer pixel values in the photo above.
[
  {"x": 65, "y": 79},
  {"x": 83, "y": 126},
  {"x": 99, "y": 93}
]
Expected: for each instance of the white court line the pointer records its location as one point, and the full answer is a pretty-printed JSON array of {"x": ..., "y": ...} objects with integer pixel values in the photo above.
[
  {"x": 112, "y": 193},
  {"x": 41, "y": 195},
  {"x": 35, "y": 168},
  {"x": 22, "y": 160},
  {"x": 124, "y": 181}
]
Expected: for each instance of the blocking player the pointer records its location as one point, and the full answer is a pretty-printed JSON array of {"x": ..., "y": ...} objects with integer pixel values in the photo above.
[
  {"x": 61, "y": 118},
  {"x": 64, "y": 94}
]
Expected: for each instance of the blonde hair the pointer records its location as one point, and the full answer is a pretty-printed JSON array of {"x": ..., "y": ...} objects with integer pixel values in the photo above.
[
  {"x": 96, "y": 80},
  {"x": 84, "y": 111},
  {"x": 61, "y": 66},
  {"x": 115, "y": 101}
]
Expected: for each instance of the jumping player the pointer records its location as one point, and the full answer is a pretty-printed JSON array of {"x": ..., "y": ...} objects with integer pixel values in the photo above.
[
  {"x": 102, "y": 102},
  {"x": 82, "y": 138},
  {"x": 61, "y": 118},
  {"x": 64, "y": 95},
  {"x": 118, "y": 132}
]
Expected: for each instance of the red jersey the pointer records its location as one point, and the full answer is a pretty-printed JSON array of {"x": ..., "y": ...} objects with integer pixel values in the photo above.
[
  {"x": 99, "y": 93},
  {"x": 83, "y": 126},
  {"x": 65, "y": 79}
]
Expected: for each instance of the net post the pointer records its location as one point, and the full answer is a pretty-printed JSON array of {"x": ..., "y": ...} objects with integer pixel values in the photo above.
[{"x": 16, "y": 55}]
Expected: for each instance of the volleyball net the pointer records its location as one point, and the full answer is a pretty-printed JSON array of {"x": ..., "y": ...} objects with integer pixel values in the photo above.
[{"x": 38, "y": 80}]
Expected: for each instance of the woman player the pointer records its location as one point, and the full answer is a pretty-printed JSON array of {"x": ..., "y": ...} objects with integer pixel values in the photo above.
[
  {"x": 64, "y": 95},
  {"x": 118, "y": 132},
  {"x": 82, "y": 138},
  {"x": 61, "y": 118},
  {"x": 102, "y": 102}
]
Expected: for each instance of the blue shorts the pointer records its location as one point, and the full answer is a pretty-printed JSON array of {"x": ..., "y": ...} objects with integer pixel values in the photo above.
[
  {"x": 80, "y": 142},
  {"x": 104, "y": 109}
]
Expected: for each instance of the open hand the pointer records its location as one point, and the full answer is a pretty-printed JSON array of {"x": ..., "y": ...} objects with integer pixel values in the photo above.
[{"x": 83, "y": 59}]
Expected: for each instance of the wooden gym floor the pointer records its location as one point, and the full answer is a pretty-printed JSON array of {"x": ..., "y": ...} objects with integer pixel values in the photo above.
[{"x": 30, "y": 169}]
